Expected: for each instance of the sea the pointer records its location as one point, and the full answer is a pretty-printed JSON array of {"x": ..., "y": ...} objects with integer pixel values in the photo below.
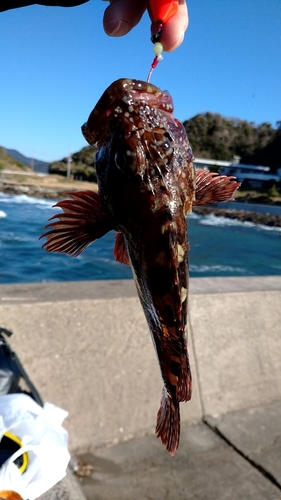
[{"x": 218, "y": 247}]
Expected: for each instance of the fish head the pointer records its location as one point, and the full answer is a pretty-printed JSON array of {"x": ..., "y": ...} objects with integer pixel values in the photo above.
[
  {"x": 128, "y": 103},
  {"x": 139, "y": 140}
]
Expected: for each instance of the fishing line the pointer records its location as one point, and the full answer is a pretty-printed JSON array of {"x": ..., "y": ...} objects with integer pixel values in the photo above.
[{"x": 160, "y": 11}]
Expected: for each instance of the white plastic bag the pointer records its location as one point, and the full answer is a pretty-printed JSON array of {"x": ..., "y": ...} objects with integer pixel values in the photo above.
[{"x": 43, "y": 438}]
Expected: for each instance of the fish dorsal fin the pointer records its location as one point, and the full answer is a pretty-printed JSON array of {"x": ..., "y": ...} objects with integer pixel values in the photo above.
[
  {"x": 120, "y": 250},
  {"x": 213, "y": 188},
  {"x": 83, "y": 220}
]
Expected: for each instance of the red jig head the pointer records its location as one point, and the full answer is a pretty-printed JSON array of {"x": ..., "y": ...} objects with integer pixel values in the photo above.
[
  {"x": 160, "y": 11},
  {"x": 163, "y": 10}
]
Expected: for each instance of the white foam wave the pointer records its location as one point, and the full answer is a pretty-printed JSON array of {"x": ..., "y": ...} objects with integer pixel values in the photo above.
[
  {"x": 12, "y": 238},
  {"x": 215, "y": 268},
  {"x": 193, "y": 215},
  {"x": 2, "y": 214},
  {"x": 269, "y": 228},
  {"x": 215, "y": 220},
  {"x": 24, "y": 199}
]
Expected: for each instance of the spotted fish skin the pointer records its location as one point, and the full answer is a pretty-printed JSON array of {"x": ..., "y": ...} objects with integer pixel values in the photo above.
[
  {"x": 147, "y": 186},
  {"x": 149, "y": 196}
]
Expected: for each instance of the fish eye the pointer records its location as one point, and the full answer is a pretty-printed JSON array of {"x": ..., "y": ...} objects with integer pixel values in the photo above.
[
  {"x": 166, "y": 144},
  {"x": 125, "y": 160}
]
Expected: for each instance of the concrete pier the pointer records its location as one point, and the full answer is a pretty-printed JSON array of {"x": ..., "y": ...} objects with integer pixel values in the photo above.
[{"x": 87, "y": 348}]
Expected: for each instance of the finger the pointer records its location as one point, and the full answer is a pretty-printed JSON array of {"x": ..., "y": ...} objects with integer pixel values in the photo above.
[
  {"x": 173, "y": 31},
  {"x": 122, "y": 15}
]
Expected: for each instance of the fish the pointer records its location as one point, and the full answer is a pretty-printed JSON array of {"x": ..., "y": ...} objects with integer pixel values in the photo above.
[{"x": 147, "y": 185}]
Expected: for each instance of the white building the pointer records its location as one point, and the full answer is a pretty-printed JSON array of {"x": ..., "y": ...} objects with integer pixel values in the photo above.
[
  {"x": 256, "y": 175},
  {"x": 205, "y": 163}
]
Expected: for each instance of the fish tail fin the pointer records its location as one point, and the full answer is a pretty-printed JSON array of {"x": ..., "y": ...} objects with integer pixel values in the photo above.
[
  {"x": 83, "y": 220},
  {"x": 168, "y": 423},
  {"x": 214, "y": 188}
]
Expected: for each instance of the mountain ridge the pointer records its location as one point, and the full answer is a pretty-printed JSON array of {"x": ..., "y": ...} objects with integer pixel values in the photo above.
[{"x": 36, "y": 165}]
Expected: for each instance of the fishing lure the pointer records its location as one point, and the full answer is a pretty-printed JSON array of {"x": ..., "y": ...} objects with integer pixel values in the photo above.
[{"x": 160, "y": 11}]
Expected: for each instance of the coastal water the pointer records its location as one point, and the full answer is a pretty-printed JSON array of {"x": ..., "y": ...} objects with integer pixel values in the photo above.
[{"x": 219, "y": 247}]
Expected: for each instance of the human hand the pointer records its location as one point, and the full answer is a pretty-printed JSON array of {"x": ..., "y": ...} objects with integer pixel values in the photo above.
[{"x": 122, "y": 15}]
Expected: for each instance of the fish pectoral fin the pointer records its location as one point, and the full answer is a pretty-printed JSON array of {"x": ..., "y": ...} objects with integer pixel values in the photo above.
[
  {"x": 120, "y": 250},
  {"x": 213, "y": 188},
  {"x": 83, "y": 220},
  {"x": 168, "y": 423}
]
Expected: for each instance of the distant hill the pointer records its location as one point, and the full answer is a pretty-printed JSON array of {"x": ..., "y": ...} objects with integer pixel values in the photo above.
[
  {"x": 37, "y": 165},
  {"x": 269, "y": 155},
  {"x": 82, "y": 165},
  {"x": 7, "y": 162},
  {"x": 210, "y": 134},
  {"x": 213, "y": 136}
]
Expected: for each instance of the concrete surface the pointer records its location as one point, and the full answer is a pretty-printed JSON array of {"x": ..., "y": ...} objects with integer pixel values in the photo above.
[
  {"x": 92, "y": 355},
  {"x": 237, "y": 457},
  {"x": 109, "y": 289},
  {"x": 205, "y": 468},
  {"x": 86, "y": 347},
  {"x": 237, "y": 341},
  {"x": 256, "y": 433},
  {"x": 67, "y": 489},
  {"x": 94, "y": 359}
]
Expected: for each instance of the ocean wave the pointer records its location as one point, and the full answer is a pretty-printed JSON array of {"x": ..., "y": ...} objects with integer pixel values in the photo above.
[
  {"x": 215, "y": 220},
  {"x": 203, "y": 268},
  {"x": 269, "y": 228},
  {"x": 24, "y": 199},
  {"x": 193, "y": 215},
  {"x": 219, "y": 221},
  {"x": 13, "y": 238},
  {"x": 3, "y": 215}
]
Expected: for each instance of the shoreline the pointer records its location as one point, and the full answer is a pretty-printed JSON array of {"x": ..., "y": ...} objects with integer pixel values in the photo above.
[
  {"x": 242, "y": 215},
  {"x": 53, "y": 188},
  {"x": 57, "y": 192}
]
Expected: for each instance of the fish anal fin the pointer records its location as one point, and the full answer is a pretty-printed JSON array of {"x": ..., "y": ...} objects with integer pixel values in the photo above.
[
  {"x": 168, "y": 423},
  {"x": 214, "y": 188},
  {"x": 120, "y": 250},
  {"x": 83, "y": 220}
]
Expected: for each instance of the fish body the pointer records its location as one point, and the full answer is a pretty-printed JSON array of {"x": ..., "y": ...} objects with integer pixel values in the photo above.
[{"x": 147, "y": 186}]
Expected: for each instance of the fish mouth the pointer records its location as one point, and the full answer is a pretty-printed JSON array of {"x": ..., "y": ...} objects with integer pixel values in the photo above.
[{"x": 121, "y": 103}]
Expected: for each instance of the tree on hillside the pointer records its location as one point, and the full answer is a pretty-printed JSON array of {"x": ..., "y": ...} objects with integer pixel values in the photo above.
[
  {"x": 213, "y": 136},
  {"x": 269, "y": 154},
  {"x": 82, "y": 165}
]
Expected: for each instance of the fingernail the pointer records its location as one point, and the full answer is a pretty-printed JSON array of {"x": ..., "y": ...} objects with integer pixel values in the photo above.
[
  {"x": 119, "y": 29},
  {"x": 181, "y": 37}
]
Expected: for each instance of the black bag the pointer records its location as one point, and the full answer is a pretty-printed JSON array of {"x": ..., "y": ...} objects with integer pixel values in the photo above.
[{"x": 12, "y": 373}]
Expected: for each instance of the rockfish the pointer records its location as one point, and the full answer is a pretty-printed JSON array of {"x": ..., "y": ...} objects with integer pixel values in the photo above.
[{"x": 147, "y": 186}]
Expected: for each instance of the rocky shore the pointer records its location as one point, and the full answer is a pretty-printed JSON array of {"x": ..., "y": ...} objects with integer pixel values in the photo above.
[
  {"x": 243, "y": 215},
  {"x": 57, "y": 191},
  {"x": 47, "y": 188},
  {"x": 33, "y": 190}
]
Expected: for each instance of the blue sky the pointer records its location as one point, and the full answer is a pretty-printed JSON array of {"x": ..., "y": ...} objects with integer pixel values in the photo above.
[{"x": 56, "y": 62}]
